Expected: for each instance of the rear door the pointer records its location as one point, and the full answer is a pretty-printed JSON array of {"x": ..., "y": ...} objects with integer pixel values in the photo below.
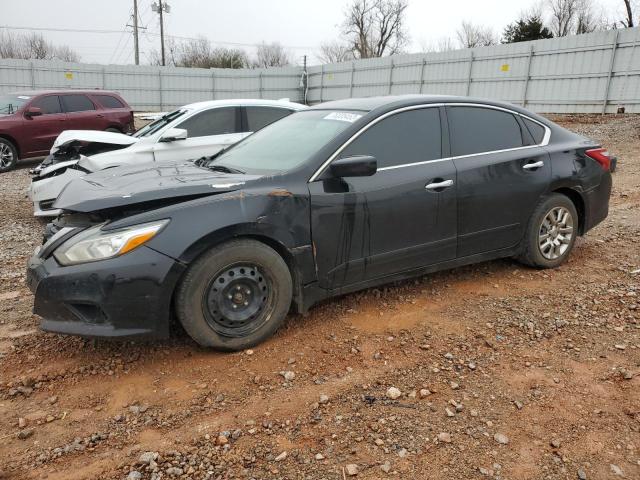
[
  {"x": 42, "y": 130},
  {"x": 401, "y": 218},
  {"x": 82, "y": 113},
  {"x": 502, "y": 174},
  {"x": 257, "y": 117},
  {"x": 208, "y": 132}
]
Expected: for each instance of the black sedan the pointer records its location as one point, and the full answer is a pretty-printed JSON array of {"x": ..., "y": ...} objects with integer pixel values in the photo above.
[{"x": 344, "y": 196}]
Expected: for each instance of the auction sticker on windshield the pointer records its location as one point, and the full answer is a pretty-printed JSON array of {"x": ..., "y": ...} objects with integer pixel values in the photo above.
[{"x": 343, "y": 116}]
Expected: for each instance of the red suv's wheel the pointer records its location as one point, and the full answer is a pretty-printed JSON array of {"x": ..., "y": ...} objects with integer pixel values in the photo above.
[{"x": 8, "y": 155}]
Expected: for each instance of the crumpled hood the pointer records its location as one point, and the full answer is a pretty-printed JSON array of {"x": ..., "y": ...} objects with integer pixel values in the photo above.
[
  {"x": 91, "y": 136},
  {"x": 123, "y": 186}
]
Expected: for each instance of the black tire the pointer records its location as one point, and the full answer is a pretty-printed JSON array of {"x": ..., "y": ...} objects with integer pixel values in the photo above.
[
  {"x": 112, "y": 129},
  {"x": 532, "y": 252},
  {"x": 211, "y": 288},
  {"x": 8, "y": 155}
]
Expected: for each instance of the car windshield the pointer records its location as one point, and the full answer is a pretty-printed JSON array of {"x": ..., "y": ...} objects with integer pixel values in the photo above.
[
  {"x": 287, "y": 143},
  {"x": 159, "y": 123},
  {"x": 12, "y": 103}
]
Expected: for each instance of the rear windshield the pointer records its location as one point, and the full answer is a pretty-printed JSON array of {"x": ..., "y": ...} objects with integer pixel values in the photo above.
[
  {"x": 156, "y": 125},
  {"x": 287, "y": 143},
  {"x": 12, "y": 103}
]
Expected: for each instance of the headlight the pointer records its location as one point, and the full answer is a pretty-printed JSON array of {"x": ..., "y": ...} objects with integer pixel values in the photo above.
[{"x": 95, "y": 244}]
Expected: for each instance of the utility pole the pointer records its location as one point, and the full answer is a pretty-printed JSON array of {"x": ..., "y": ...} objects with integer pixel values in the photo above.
[
  {"x": 161, "y": 8},
  {"x": 135, "y": 32}
]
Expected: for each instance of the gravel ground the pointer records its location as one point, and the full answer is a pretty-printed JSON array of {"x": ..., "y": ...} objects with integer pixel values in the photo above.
[{"x": 490, "y": 371}]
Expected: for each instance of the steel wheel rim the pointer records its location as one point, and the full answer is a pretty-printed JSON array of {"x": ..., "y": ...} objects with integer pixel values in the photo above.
[
  {"x": 235, "y": 300},
  {"x": 6, "y": 155},
  {"x": 555, "y": 233}
]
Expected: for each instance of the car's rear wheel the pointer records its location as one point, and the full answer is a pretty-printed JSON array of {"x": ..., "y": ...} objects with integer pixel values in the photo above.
[
  {"x": 8, "y": 155},
  {"x": 234, "y": 296},
  {"x": 113, "y": 130},
  {"x": 551, "y": 232}
]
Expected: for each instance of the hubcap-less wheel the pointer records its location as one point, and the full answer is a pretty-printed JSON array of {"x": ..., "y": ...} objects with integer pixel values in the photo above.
[
  {"x": 235, "y": 299},
  {"x": 6, "y": 155},
  {"x": 555, "y": 233}
]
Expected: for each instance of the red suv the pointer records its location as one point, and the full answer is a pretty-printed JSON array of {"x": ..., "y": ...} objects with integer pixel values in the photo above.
[{"x": 31, "y": 121}]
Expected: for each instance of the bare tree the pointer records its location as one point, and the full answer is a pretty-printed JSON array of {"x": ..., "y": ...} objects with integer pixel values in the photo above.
[
  {"x": 375, "y": 28},
  {"x": 200, "y": 53},
  {"x": 628, "y": 7},
  {"x": 443, "y": 44},
  {"x": 563, "y": 15},
  {"x": 334, "y": 52},
  {"x": 471, "y": 35},
  {"x": 34, "y": 46},
  {"x": 271, "y": 55}
]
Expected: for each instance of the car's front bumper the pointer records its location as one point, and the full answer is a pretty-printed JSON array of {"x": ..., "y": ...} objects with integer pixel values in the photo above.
[
  {"x": 127, "y": 296},
  {"x": 44, "y": 191}
]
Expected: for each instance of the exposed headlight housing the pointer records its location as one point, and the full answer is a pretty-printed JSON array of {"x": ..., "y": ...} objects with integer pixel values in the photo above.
[{"x": 95, "y": 244}]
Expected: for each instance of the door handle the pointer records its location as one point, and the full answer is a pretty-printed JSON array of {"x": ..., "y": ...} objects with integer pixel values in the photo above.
[
  {"x": 439, "y": 185},
  {"x": 531, "y": 166}
]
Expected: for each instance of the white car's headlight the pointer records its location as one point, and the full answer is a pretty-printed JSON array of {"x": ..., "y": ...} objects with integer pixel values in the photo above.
[{"x": 95, "y": 244}]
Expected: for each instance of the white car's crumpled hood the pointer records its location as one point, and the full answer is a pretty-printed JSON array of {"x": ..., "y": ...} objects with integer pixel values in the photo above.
[{"x": 96, "y": 136}]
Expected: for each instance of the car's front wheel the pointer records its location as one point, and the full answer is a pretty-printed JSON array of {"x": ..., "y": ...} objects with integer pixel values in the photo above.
[
  {"x": 8, "y": 155},
  {"x": 551, "y": 232},
  {"x": 234, "y": 296}
]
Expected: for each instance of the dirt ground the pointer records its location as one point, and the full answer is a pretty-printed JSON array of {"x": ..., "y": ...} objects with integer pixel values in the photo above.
[{"x": 501, "y": 372}]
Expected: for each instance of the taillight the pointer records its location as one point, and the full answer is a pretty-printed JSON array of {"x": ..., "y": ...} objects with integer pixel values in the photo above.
[{"x": 601, "y": 156}]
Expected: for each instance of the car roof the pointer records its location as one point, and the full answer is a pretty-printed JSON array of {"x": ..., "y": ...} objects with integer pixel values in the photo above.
[
  {"x": 33, "y": 93},
  {"x": 369, "y": 104},
  {"x": 246, "y": 102}
]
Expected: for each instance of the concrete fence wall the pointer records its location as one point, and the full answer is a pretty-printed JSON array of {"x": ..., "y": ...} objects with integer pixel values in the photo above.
[{"x": 590, "y": 73}]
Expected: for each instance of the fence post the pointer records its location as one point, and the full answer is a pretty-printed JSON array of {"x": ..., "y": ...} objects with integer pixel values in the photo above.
[
  {"x": 160, "y": 87},
  {"x": 213, "y": 84},
  {"x": 424, "y": 64},
  {"x": 526, "y": 79},
  {"x": 353, "y": 69},
  {"x": 469, "y": 79},
  {"x": 260, "y": 84},
  {"x": 391, "y": 75},
  {"x": 614, "y": 47},
  {"x": 321, "y": 80},
  {"x": 104, "y": 79}
]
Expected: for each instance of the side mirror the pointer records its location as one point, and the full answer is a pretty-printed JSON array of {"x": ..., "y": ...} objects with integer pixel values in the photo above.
[
  {"x": 174, "y": 134},
  {"x": 356, "y": 166},
  {"x": 33, "y": 112}
]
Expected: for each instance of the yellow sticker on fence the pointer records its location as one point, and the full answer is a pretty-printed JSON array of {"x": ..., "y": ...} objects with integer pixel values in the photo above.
[
  {"x": 504, "y": 67},
  {"x": 68, "y": 75}
]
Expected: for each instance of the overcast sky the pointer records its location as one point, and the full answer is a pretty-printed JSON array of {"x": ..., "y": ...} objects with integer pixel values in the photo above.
[{"x": 299, "y": 25}]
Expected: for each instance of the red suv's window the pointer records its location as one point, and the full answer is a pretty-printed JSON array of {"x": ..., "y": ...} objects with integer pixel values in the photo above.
[
  {"x": 107, "y": 101},
  {"x": 48, "y": 104},
  {"x": 77, "y": 103}
]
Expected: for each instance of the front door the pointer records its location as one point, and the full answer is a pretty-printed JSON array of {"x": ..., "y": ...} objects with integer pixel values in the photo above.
[
  {"x": 401, "y": 218},
  {"x": 502, "y": 174},
  {"x": 208, "y": 132},
  {"x": 41, "y": 131}
]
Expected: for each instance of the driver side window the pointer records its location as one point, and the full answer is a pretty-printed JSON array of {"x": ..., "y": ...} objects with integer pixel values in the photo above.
[
  {"x": 216, "y": 121},
  {"x": 406, "y": 137}
]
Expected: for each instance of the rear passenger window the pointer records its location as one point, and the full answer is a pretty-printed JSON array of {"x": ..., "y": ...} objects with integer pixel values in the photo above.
[
  {"x": 77, "y": 103},
  {"x": 216, "y": 121},
  {"x": 406, "y": 137},
  {"x": 107, "y": 101},
  {"x": 535, "y": 129},
  {"x": 48, "y": 104},
  {"x": 258, "y": 117},
  {"x": 476, "y": 130}
]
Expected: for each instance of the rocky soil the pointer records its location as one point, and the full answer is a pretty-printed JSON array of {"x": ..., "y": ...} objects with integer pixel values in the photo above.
[{"x": 491, "y": 371}]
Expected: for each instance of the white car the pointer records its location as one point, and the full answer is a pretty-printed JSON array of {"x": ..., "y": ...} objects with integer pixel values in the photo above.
[{"x": 193, "y": 131}]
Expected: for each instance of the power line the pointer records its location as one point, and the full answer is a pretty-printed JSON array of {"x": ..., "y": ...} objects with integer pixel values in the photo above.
[{"x": 178, "y": 37}]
